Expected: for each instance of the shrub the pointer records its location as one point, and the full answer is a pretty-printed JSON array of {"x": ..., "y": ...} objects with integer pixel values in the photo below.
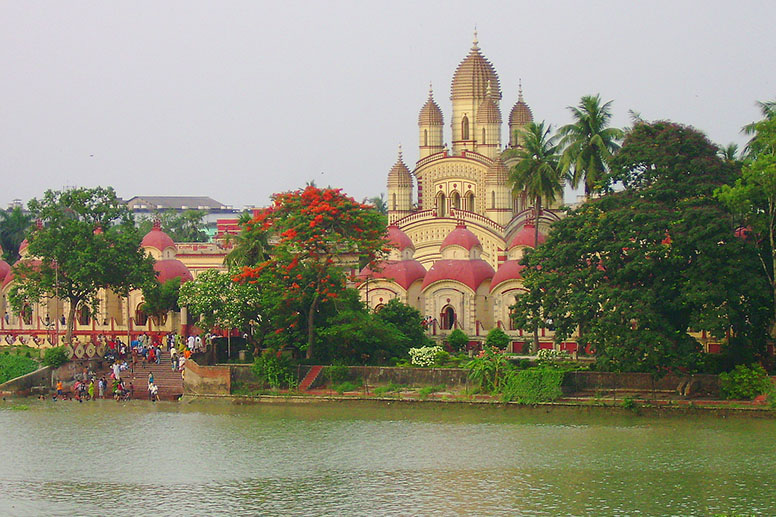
[
  {"x": 428, "y": 390},
  {"x": 275, "y": 369},
  {"x": 347, "y": 386},
  {"x": 497, "y": 337},
  {"x": 381, "y": 390},
  {"x": 745, "y": 382},
  {"x": 488, "y": 369},
  {"x": 532, "y": 386},
  {"x": 458, "y": 339},
  {"x": 336, "y": 373},
  {"x": 13, "y": 366},
  {"x": 425, "y": 356},
  {"x": 55, "y": 357}
]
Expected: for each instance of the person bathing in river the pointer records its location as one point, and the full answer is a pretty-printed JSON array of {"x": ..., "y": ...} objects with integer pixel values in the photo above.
[{"x": 91, "y": 390}]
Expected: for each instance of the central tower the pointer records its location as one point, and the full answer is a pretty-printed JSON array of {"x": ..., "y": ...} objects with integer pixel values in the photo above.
[{"x": 473, "y": 79}]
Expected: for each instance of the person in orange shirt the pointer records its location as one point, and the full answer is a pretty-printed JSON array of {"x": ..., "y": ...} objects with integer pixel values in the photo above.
[
  {"x": 187, "y": 353},
  {"x": 59, "y": 388}
]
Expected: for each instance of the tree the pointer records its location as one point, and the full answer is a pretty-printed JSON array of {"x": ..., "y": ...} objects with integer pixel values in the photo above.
[
  {"x": 159, "y": 299},
  {"x": 186, "y": 226},
  {"x": 86, "y": 241},
  {"x": 379, "y": 202},
  {"x": 407, "y": 319},
  {"x": 753, "y": 199},
  {"x": 642, "y": 267},
  {"x": 13, "y": 228},
  {"x": 768, "y": 112},
  {"x": 589, "y": 143},
  {"x": 458, "y": 339},
  {"x": 321, "y": 233},
  {"x": 729, "y": 153},
  {"x": 538, "y": 175},
  {"x": 249, "y": 247}
]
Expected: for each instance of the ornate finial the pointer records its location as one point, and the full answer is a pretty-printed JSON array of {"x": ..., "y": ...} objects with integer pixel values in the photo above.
[
  {"x": 488, "y": 91},
  {"x": 475, "y": 42},
  {"x": 157, "y": 224},
  {"x": 519, "y": 90},
  {"x": 400, "y": 157},
  {"x": 430, "y": 90}
]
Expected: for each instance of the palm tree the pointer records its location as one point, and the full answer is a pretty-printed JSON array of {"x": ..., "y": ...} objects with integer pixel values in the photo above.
[
  {"x": 537, "y": 173},
  {"x": 729, "y": 153},
  {"x": 588, "y": 143},
  {"x": 250, "y": 245},
  {"x": 379, "y": 202},
  {"x": 768, "y": 111},
  {"x": 13, "y": 229}
]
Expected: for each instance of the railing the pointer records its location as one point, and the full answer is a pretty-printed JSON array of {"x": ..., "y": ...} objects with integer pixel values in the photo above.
[{"x": 428, "y": 159}]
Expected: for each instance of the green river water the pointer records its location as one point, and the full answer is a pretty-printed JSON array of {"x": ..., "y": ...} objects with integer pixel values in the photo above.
[{"x": 215, "y": 458}]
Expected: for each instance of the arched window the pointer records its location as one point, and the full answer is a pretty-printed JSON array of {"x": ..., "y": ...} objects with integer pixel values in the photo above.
[
  {"x": 447, "y": 318},
  {"x": 465, "y": 127},
  {"x": 493, "y": 199},
  {"x": 483, "y": 136},
  {"x": 141, "y": 318},
  {"x": 425, "y": 137},
  {"x": 440, "y": 205},
  {"x": 379, "y": 307},
  {"x": 470, "y": 201},
  {"x": 394, "y": 202},
  {"x": 455, "y": 200}
]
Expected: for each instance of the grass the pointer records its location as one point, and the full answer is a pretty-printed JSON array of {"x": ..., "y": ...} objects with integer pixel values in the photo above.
[
  {"x": 425, "y": 391},
  {"x": 391, "y": 388},
  {"x": 347, "y": 386}
]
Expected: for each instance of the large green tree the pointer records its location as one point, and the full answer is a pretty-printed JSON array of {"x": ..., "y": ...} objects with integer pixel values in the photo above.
[
  {"x": 86, "y": 241},
  {"x": 641, "y": 267},
  {"x": 588, "y": 143},
  {"x": 537, "y": 173},
  {"x": 161, "y": 298},
  {"x": 249, "y": 247},
  {"x": 753, "y": 199},
  {"x": 13, "y": 228},
  {"x": 185, "y": 226},
  {"x": 321, "y": 233}
]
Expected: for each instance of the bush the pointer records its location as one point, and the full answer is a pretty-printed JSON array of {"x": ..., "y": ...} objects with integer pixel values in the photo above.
[
  {"x": 457, "y": 339},
  {"x": 347, "y": 386},
  {"x": 275, "y": 368},
  {"x": 745, "y": 382},
  {"x": 497, "y": 337},
  {"x": 336, "y": 373},
  {"x": 532, "y": 386},
  {"x": 428, "y": 390},
  {"x": 425, "y": 355},
  {"x": 488, "y": 369},
  {"x": 13, "y": 366},
  {"x": 55, "y": 357}
]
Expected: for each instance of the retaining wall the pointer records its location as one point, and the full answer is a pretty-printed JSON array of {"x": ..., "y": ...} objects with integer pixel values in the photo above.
[
  {"x": 207, "y": 380},
  {"x": 699, "y": 384},
  {"x": 23, "y": 385}
]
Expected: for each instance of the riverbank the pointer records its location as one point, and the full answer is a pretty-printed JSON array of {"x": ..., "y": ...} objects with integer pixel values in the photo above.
[{"x": 720, "y": 408}]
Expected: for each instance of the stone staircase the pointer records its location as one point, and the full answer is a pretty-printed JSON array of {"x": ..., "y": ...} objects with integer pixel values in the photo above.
[{"x": 169, "y": 382}]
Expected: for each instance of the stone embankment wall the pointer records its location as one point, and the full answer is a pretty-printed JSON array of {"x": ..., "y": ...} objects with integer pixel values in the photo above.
[
  {"x": 698, "y": 385},
  {"x": 24, "y": 384},
  {"x": 450, "y": 377},
  {"x": 207, "y": 380}
]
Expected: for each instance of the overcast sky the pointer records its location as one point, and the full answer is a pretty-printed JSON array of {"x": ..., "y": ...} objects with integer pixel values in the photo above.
[{"x": 240, "y": 99}]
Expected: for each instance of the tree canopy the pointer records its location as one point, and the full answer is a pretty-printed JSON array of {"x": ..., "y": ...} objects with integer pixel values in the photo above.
[
  {"x": 321, "y": 233},
  {"x": 86, "y": 240},
  {"x": 13, "y": 228},
  {"x": 639, "y": 268},
  {"x": 186, "y": 226}
]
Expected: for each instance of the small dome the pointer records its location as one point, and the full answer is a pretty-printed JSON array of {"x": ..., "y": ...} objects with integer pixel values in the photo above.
[
  {"x": 171, "y": 268},
  {"x": 509, "y": 270},
  {"x": 521, "y": 113},
  {"x": 461, "y": 236},
  {"x": 472, "y": 76},
  {"x": 488, "y": 112},
  {"x": 399, "y": 239},
  {"x": 156, "y": 238},
  {"x": 471, "y": 273},
  {"x": 497, "y": 173},
  {"x": 403, "y": 272},
  {"x": 525, "y": 237},
  {"x": 5, "y": 270},
  {"x": 32, "y": 263},
  {"x": 400, "y": 175},
  {"x": 430, "y": 114}
]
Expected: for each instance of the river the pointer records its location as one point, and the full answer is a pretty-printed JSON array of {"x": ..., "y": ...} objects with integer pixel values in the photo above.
[{"x": 215, "y": 458}]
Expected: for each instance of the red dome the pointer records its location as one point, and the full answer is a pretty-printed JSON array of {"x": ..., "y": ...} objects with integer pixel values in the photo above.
[
  {"x": 469, "y": 272},
  {"x": 461, "y": 236},
  {"x": 399, "y": 239},
  {"x": 171, "y": 268},
  {"x": 403, "y": 272},
  {"x": 5, "y": 269},
  {"x": 525, "y": 237},
  {"x": 34, "y": 263},
  {"x": 509, "y": 270},
  {"x": 156, "y": 238}
]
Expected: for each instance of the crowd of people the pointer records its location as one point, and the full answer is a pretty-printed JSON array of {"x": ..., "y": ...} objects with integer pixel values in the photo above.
[{"x": 143, "y": 350}]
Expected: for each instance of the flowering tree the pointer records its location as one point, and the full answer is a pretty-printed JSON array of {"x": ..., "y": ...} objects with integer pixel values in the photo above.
[{"x": 320, "y": 234}]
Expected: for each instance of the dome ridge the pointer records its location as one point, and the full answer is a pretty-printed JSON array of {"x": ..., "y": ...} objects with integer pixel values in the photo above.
[
  {"x": 472, "y": 76},
  {"x": 521, "y": 114},
  {"x": 488, "y": 112},
  {"x": 430, "y": 113},
  {"x": 400, "y": 175}
]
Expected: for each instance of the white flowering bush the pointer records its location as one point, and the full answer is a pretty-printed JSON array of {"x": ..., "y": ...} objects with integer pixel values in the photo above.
[
  {"x": 425, "y": 355},
  {"x": 550, "y": 354}
]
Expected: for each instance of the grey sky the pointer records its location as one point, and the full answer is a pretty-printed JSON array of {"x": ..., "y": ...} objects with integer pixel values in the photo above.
[{"x": 237, "y": 100}]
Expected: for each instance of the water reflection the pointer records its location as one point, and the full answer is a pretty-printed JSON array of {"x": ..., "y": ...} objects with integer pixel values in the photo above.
[{"x": 348, "y": 459}]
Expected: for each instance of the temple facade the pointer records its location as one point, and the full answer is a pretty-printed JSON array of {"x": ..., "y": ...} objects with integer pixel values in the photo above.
[{"x": 458, "y": 227}]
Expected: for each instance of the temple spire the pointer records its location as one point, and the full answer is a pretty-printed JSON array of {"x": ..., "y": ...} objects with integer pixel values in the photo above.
[
  {"x": 475, "y": 42},
  {"x": 519, "y": 90}
]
